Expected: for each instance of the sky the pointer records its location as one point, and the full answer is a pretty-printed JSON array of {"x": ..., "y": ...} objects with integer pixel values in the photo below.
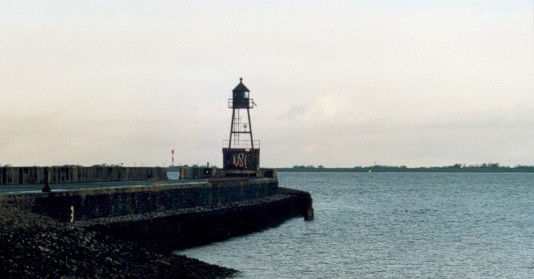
[{"x": 337, "y": 83}]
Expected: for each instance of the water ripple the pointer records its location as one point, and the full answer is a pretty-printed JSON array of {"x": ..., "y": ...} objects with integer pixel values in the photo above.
[{"x": 394, "y": 225}]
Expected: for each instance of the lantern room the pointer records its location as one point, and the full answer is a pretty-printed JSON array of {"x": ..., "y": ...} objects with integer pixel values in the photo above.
[{"x": 240, "y": 96}]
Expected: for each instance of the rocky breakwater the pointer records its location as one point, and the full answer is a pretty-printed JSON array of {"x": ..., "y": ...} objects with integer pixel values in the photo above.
[{"x": 35, "y": 246}]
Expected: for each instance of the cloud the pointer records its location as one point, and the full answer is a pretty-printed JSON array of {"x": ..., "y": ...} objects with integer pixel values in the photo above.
[{"x": 294, "y": 112}]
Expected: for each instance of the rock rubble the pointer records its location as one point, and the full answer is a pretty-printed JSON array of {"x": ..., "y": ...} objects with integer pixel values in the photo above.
[{"x": 35, "y": 246}]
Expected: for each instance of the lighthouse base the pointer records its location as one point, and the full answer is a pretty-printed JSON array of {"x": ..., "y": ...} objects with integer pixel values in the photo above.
[{"x": 241, "y": 160}]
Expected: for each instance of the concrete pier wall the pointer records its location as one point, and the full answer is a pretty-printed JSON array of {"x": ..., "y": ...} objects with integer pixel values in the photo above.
[
  {"x": 198, "y": 226},
  {"x": 196, "y": 172},
  {"x": 158, "y": 197},
  {"x": 75, "y": 174}
]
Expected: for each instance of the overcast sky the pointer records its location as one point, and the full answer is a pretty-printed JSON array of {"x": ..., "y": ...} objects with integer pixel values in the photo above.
[{"x": 337, "y": 83}]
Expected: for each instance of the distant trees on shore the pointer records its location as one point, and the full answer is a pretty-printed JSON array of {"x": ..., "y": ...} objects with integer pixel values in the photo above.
[{"x": 485, "y": 167}]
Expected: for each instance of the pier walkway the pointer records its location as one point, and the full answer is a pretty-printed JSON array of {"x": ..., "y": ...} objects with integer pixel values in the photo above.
[{"x": 63, "y": 187}]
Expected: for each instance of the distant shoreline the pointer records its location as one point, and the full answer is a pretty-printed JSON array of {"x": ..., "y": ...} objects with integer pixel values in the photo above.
[{"x": 455, "y": 168}]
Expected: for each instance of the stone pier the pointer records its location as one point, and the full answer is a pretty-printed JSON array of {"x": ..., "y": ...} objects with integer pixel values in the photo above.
[{"x": 169, "y": 215}]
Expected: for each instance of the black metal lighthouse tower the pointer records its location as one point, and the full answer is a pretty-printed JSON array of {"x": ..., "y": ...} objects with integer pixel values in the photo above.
[{"x": 241, "y": 153}]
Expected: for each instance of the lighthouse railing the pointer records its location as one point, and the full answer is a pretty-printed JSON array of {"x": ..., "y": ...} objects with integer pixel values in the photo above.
[
  {"x": 251, "y": 104},
  {"x": 241, "y": 144}
]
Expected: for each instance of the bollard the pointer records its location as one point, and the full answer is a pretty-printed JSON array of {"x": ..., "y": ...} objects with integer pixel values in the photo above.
[{"x": 46, "y": 188}]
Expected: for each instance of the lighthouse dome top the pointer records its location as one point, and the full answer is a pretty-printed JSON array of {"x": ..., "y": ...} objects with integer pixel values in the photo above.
[{"x": 240, "y": 87}]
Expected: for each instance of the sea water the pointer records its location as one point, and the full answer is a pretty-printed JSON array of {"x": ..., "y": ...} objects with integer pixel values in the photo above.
[{"x": 394, "y": 225}]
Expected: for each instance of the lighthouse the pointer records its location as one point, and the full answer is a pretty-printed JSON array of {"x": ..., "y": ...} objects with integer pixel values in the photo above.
[{"x": 241, "y": 153}]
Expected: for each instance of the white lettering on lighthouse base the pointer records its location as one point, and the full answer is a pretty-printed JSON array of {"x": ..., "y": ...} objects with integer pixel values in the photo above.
[{"x": 240, "y": 160}]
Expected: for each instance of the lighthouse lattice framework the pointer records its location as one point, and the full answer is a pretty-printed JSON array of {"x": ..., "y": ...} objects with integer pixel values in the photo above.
[{"x": 241, "y": 153}]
